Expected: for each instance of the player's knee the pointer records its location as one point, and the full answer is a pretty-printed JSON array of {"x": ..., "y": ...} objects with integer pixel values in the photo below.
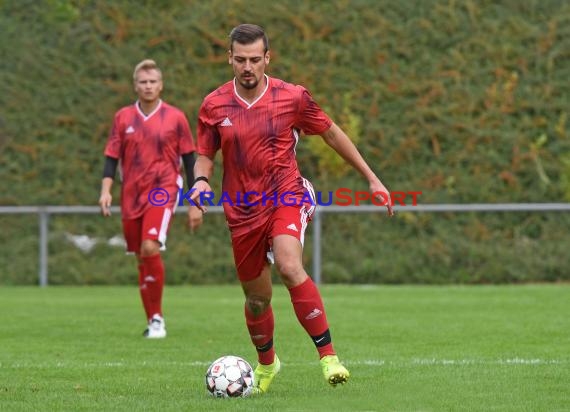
[
  {"x": 150, "y": 247},
  {"x": 288, "y": 268},
  {"x": 257, "y": 304}
]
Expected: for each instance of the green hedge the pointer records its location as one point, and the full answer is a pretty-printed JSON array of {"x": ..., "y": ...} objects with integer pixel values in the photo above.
[{"x": 465, "y": 101}]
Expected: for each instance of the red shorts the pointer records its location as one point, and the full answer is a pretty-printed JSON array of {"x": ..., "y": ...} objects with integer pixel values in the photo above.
[
  {"x": 252, "y": 250},
  {"x": 152, "y": 225}
]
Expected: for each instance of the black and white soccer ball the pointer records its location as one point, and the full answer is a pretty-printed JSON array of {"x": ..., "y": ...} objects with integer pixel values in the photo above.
[{"x": 229, "y": 377}]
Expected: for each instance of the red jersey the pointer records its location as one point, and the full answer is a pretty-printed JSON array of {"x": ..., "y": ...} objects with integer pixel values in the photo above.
[
  {"x": 258, "y": 145},
  {"x": 149, "y": 148}
]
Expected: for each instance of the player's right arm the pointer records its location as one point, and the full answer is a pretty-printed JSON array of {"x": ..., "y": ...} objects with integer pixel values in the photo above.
[
  {"x": 112, "y": 154},
  {"x": 105, "y": 197},
  {"x": 208, "y": 143}
]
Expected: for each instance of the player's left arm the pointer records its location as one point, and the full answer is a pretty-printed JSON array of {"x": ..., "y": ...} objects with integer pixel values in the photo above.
[{"x": 337, "y": 139}]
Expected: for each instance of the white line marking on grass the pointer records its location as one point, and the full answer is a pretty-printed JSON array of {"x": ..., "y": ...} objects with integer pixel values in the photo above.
[
  {"x": 366, "y": 362},
  {"x": 434, "y": 361},
  {"x": 519, "y": 361},
  {"x": 371, "y": 362},
  {"x": 514, "y": 361}
]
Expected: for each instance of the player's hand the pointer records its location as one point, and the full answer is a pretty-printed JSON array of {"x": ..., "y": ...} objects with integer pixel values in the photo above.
[
  {"x": 383, "y": 195},
  {"x": 105, "y": 203},
  {"x": 195, "y": 218},
  {"x": 198, "y": 188}
]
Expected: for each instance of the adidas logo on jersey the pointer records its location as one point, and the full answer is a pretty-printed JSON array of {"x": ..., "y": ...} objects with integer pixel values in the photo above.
[
  {"x": 226, "y": 123},
  {"x": 153, "y": 231},
  {"x": 130, "y": 129}
]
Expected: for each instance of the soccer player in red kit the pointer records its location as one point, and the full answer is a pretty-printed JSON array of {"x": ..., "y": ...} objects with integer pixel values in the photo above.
[
  {"x": 256, "y": 121},
  {"x": 149, "y": 138}
]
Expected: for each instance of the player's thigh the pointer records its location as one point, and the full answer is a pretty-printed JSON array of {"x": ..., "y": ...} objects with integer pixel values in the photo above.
[
  {"x": 132, "y": 234},
  {"x": 289, "y": 224},
  {"x": 287, "y": 252},
  {"x": 156, "y": 224},
  {"x": 292, "y": 221},
  {"x": 250, "y": 249}
]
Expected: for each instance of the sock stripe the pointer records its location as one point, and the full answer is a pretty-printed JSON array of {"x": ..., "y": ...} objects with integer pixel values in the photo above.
[{"x": 266, "y": 347}]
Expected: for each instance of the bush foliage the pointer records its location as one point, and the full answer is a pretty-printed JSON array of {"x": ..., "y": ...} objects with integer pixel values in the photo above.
[{"x": 466, "y": 101}]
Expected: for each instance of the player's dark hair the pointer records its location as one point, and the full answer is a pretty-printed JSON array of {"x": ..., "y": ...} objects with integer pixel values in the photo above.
[{"x": 247, "y": 34}]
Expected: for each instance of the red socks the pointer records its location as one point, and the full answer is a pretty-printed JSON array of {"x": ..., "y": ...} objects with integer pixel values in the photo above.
[
  {"x": 144, "y": 291},
  {"x": 310, "y": 312},
  {"x": 261, "y": 333},
  {"x": 151, "y": 284}
]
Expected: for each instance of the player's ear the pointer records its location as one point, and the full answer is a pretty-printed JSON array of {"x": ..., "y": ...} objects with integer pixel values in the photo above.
[
  {"x": 267, "y": 57},
  {"x": 229, "y": 57}
]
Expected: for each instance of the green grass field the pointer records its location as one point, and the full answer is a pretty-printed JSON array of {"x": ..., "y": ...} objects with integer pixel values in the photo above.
[{"x": 487, "y": 348}]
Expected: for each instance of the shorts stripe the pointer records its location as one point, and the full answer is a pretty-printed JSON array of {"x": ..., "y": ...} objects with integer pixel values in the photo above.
[
  {"x": 304, "y": 224},
  {"x": 307, "y": 213},
  {"x": 309, "y": 187},
  {"x": 164, "y": 226}
]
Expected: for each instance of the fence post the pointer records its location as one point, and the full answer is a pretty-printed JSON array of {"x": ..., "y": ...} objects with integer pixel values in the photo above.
[
  {"x": 317, "y": 232},
  {"x": 43, "y": 258}
]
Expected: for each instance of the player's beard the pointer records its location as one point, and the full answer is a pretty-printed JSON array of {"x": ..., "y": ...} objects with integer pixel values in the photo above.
[{"x": 249, "y": 83}]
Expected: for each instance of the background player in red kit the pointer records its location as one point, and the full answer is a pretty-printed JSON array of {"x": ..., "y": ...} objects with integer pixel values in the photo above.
[
  {"x": 256, "y": 121},
  {"x": 149, "y": 138}
]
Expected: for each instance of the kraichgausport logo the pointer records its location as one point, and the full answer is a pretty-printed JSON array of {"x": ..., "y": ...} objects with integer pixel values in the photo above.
[{"x": 340, "y": 197}]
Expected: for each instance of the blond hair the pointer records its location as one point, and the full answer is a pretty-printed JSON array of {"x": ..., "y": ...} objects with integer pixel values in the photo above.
[{"x": 146, "y": 64}]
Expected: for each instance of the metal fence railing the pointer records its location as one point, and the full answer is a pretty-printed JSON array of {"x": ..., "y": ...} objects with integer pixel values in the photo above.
[{"x": 44, "y": 213}]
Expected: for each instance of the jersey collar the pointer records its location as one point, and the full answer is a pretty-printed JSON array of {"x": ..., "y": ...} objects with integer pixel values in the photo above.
[
  {"x": 249, "y": 105},
  {"x": 144, "y": 116}
]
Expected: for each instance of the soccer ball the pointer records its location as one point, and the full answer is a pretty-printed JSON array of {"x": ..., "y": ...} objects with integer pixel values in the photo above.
[{"x": 229, "y": 377}]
